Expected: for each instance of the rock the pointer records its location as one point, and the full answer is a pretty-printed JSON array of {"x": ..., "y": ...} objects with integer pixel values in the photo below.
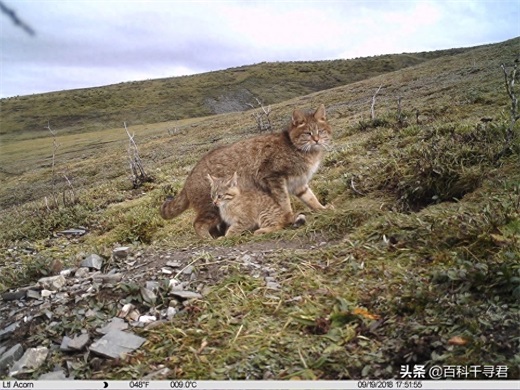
[
  {"x": 147, "y": 319},
  {"x": 72, "y": 232},
  {"x": 108, "y": 278},
  {"x": 31, "y": 360},
  {"x": 53, "y": 283},
  {"x": 67, "y": 272},
  {"x": 32, "y": 294},
  {"x": 116, "y": 343},
  {"x": 152, "y": 285},
  {"x": 79, "y": 342},
  {"x": 170, "y": 312},
  {"x": 188, "y": 270},
  {"x": 148, "y": 296},
  {"x": 121, "y": 252},
  {"x": 53, "y": 376},
  {"x": 159, "y": 374},
  {"x": 8, "y": 331},
  {"x": 93, "y": 261},
  {"x": 81, "y": 273},
  {"x": 173, "y": 264},
  {"x": 174, "y": 285},
  {"x": 186, "y": 294},
  {"x": 46, "y": 293},
  {"x": 166, "y": 271},
  {"x": 114, "y": 324},
  {"x": 14, "y": 296},
  {"x": 64, "y": 346},
  {"x": 273, "y": 286},
  {"x": 10, "y": 356},
  {"x": 125, "y": 310}
]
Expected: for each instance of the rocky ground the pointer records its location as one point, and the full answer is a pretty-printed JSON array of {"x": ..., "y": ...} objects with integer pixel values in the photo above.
[{"x": 87, "y": 314}]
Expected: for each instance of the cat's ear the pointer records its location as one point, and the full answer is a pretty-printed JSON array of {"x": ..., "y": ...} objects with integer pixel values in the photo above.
[
  {"x": 298, "y": 118},
  {"x": 210, "y": 178},
  {"x": 320, "y": 114}
]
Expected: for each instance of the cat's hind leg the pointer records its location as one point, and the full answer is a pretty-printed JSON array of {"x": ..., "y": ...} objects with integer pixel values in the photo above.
[{"x": 209, "y": 224}]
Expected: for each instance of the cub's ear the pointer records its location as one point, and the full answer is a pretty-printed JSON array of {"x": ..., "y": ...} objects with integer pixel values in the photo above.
[
  {"x": 298, "y": 118},
  {"x": 210, "y": 178},
  {"x": 233, "y": 182},
  {"x": 320, "y": 114}
]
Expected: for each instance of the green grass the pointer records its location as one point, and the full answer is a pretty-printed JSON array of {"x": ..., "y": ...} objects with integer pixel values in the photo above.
[{"x": 422, "y": 245}]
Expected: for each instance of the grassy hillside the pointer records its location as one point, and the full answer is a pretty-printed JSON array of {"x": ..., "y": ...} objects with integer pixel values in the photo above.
[
  {"x": 210, "y": 93},
  {"x": 419, "y": 262}
]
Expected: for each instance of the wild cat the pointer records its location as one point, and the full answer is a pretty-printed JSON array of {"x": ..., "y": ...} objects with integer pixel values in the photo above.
[
  {"x": 279, "y": 164},
  {"x": 248, "y": 210}
]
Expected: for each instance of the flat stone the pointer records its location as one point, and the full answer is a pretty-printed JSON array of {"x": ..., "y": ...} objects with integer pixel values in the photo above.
[
  {"x": 10, "y": 356},
  {"x": 14, "y": 296},
  {"x": 93, "y": 261},
  {"x": 46, "y": 293},
  {"x": 8, "y": 331},
  {"x": 52, "y": 282},
  {"x": 188, "y": 270},
  {"x": 72, "y": 232},
  {"x": 108, "y": 278},
  {"x": 173, "y": 264},
  {"x": 116, "y": 343},
  {"x": 64, "y": 346},
  {"x": 31, "y": 360},
  {"x": 32, "y": 294},
  {"x": 186, "y": 294},
  {"x": 114, "y": 324},
  {"x": 53, "y": 376},
  {"x": 79, "y": 342},
  {"x": 121, "y": 252}
]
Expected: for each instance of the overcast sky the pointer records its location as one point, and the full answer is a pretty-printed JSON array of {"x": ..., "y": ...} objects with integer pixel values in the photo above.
[{"x": 82, "y": 44}]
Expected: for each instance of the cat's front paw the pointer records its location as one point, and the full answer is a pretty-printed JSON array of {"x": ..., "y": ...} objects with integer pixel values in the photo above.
[{"x": 329, "y": 206}]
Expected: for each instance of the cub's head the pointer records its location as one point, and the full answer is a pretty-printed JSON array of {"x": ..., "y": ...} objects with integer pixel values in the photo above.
[
  {"x": 310, "y": 132},
  {"x": 223, "y": 189}
]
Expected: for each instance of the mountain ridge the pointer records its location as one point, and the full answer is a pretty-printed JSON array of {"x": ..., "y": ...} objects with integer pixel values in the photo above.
[{"x": 215, "y": 92}]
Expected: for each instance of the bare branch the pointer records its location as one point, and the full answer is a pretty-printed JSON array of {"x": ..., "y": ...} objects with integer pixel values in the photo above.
[
  {"x": 372, "y": 108},
  {"x": 262, "y": 118},
  {"x": 510, "y": 85},
  {"x": 15, "y": 19},
  {"x": 139, "y": 175},
  {"x": 55, "y": 147}
]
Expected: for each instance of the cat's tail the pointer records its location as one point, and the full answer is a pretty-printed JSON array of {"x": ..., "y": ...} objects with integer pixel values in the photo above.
[{"x": 175, "y": 206}]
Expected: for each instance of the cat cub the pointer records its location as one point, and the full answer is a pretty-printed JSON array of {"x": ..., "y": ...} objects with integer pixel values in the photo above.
[{"x": 245, "y": 210}]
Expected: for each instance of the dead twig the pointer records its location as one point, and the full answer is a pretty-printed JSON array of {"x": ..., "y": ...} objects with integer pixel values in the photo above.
[
  {"x": 372, "y": 108},
  {"x": 510, "y": 89},
  {"x": 262, "y": 117},
  {"x": 139, "y": 175}
]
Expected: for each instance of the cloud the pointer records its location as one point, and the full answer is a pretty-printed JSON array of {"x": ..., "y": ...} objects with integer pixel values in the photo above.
[{"x": 91, "y": 43}]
